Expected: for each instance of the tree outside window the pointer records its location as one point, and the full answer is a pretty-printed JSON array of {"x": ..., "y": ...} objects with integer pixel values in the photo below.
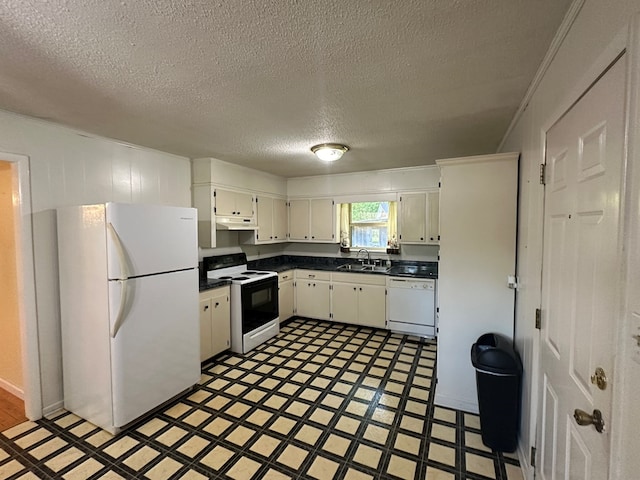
[{"x": 369, "y": 224}]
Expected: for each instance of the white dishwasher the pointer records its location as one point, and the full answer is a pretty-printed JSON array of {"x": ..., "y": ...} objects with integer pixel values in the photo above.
[{"x": 411, "y": 305}]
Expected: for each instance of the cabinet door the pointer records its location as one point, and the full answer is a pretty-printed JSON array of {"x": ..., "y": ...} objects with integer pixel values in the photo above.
[
  {"x": 205, "y": 328},
  {"x": 230, "y": 203},
  {"x": 285, "y": 299},
  {"x": 299, "y": 220},
  {"x": 413, "y": 217},
  {"x": 321, "y": 300},
  {"x": 372, "y": 301},
  {"x": 280, "y": 218},
  {"x": 434, "y": 217},
  {"x": 220, "y": 322},
  {"x": 265, "y": 219},
  {"x": 225, "y": 202},
  {"x": 313, "y": 299},
  {"x": 322, "y": 220},
  {"x": 244, "y": 204},
  {"x": 344, "y": 303},
  {"x": 304, "y": 298}
]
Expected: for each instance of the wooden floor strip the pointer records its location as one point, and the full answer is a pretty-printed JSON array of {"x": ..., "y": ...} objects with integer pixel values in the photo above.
[{"x": 11, "y": 410}]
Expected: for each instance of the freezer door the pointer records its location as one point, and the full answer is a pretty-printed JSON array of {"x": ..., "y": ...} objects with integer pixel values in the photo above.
[
  {"x": 155, "y": 353},
  {"x": 147, "y": 239}
]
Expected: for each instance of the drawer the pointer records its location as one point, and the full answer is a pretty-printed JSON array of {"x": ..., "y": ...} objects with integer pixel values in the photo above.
[
  {"x": 285, "y": 276},
  {"x": 313, "y": 275}
]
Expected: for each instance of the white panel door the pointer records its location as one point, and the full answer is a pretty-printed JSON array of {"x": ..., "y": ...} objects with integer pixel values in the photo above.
[
  {"x": 155, "y": 353},
  {"x": 580, "y": 279},
  {"x": 147, "y": 239}
]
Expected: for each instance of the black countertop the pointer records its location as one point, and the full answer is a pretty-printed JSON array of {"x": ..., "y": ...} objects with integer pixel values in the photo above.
[
  {"x": 209, "y": 283},
  {"x": 282, "y": 263},
  {"x": 402, "y": 268}
]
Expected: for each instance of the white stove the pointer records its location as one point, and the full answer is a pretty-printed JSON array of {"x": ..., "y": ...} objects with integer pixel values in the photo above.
[
  {"x": 239, "y": 275},
  {"x": 254, "y": 300}
]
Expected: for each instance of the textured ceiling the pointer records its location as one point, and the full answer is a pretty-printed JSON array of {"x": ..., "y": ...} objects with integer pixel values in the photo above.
[{"x": 258, "y": 83}]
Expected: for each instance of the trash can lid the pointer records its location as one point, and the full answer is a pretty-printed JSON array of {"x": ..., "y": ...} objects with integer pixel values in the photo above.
[{"x": 494, "y": 353}]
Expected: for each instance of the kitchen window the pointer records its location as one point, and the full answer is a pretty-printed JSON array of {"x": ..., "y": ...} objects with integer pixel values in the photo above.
[{"x": 370, "y": 225}]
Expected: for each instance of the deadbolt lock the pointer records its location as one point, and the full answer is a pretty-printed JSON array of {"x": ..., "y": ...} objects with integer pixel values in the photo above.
[
  {"x": 599, "y": 379},
  {"x": 583, "y": 418}
]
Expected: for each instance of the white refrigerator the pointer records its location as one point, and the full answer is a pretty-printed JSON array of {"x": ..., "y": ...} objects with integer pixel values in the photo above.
[{"x": 129, "y": 308}]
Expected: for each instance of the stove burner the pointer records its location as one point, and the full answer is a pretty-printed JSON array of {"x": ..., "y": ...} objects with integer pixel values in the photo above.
[
  {"x": 225, "y": 278},
  {"x": 240, "y": 278},
  {"x": 253, "y": 272}
]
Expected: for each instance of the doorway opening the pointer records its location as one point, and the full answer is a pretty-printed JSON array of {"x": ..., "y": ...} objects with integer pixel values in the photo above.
[{"x": 20, "y": 388}]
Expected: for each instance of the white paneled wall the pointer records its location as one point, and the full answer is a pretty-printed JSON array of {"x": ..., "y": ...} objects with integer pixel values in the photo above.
[{"x": 68, "y": 167}]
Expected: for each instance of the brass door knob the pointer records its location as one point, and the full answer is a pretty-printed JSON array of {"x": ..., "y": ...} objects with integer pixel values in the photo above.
[{"x": 583, "y": 418}]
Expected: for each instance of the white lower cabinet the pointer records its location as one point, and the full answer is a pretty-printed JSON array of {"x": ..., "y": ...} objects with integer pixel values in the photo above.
[
  {"x": 353, "y": 298},
  {"x": 285, "y": 295},
  {"x": 359, "y": 299},
  {"x": 313, "y": 294},
  {"x": 215, "y": 322}
]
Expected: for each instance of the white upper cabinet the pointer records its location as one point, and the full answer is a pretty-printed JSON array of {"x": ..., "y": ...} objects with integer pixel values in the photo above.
[
  {"x": 272, "y": 220},
  {"x": 419, "y": 217},
  {"x": 323, "y": 214},
  {"x": 265, "y": 219},
  {"x": 280, "y": 219},
  {"x": 230, "y": 203},
  {"x": 433, "y": 223},
  {"x": 299, "y": 225},
  {"x": 312, "y": 220}
]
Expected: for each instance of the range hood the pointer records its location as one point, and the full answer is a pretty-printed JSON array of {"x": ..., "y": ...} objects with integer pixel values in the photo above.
[{"x": 235, "y": 223}]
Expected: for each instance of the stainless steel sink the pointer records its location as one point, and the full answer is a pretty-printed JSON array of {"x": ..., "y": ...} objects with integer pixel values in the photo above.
[
  {"x": 351, "y": 267},
  {"x": 363, "y": 268}
]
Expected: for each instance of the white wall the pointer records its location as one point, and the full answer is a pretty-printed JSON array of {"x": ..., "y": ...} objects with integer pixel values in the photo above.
[
  {"x": 69, "y": 167},
  {"x": 363, "y": 183},
  {"x": 586, "y": 44}
]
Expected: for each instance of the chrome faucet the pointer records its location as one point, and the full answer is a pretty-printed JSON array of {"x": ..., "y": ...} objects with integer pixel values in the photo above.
[{"x": 368, "y": 255}]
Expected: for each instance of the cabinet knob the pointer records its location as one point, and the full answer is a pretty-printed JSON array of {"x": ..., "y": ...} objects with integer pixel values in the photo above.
[
  {"x": 206, "y": 307},
  {"x": 354, "y": 288},
  {"x": 217, "y": 303},
  {"x": 313, "y": 236},
  {"x": 305, "y": 236},
  {"x": 360, "y": 288},
  {"x": 421, "y": 238}
]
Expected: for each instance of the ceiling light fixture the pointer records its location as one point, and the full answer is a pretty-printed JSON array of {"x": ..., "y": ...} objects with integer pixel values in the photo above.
[{"x": 329, "y": 152}]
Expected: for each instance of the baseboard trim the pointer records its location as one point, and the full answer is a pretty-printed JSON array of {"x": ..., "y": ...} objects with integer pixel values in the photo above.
[
  {"x": 455, "y": 403},
  {"x": 53, "y": 408},
  {"x": 12, "y": 389}
]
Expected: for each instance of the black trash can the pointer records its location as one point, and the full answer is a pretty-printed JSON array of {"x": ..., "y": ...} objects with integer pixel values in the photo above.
[{"x": 498, "y": 377}]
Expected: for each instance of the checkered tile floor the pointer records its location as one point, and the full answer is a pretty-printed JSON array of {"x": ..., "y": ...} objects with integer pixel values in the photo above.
[{"x": 321, "y": 400}]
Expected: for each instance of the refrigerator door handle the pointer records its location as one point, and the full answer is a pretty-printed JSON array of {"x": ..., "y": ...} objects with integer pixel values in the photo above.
[
  {"x": 124, "y": 268},
  {"x": 123, "y": 302}
]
